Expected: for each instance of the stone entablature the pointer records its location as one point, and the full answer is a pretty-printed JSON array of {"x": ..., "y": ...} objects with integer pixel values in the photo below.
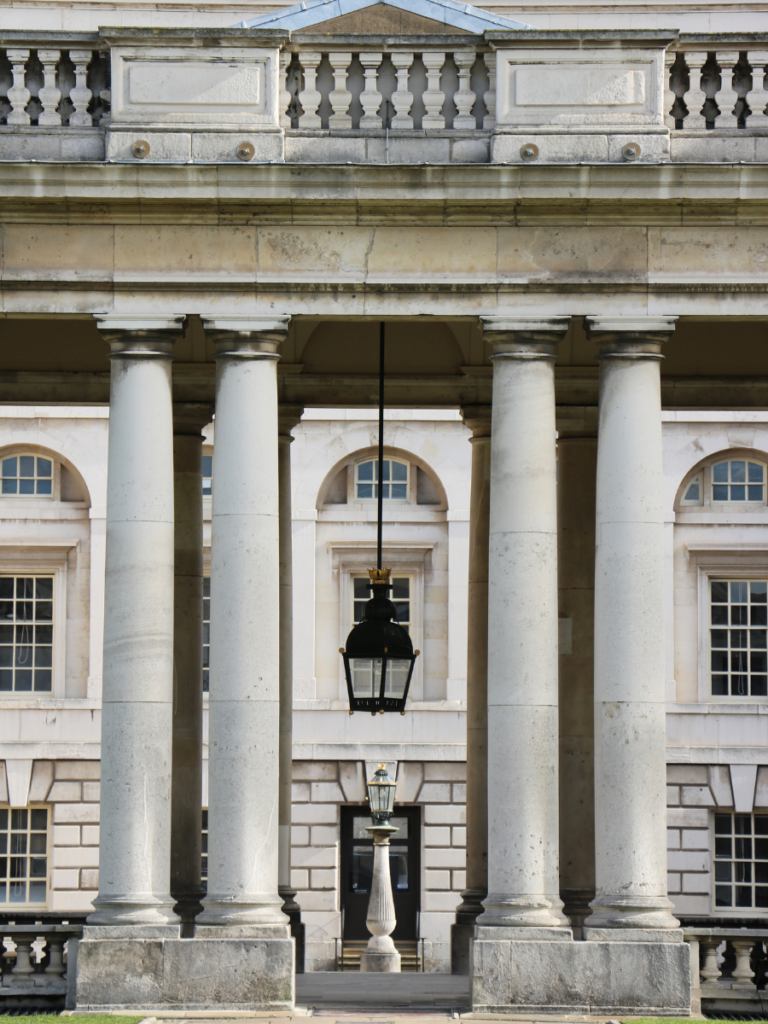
[{"x": 271, "y": 95}]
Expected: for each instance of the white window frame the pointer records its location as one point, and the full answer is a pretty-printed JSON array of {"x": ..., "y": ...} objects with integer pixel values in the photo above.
[
  {"x": 55, "y": 494},
  {"x": 729, "y": 503},
  {"x": 746, "y": 564},
  {"x": 44, "y": 560},
  {"x": 9, "y": 907},
  {"x": 686, "y": 503},
  {"x": 395, "y": 574},
  {"x": 730, "y": 911},
  {"x": 388, "y": 501}
]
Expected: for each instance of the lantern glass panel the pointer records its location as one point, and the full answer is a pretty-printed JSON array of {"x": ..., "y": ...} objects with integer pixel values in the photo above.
[
  {"x": 366, "y": 676},
  {"x": 397, "y": 677}
]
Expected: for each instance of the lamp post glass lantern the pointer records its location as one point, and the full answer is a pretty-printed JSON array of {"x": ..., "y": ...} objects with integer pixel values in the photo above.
[
  {"x": 379, "y": 656},
  {"x": 381, "y": 796},
  {"x": 380, "y": 954}
]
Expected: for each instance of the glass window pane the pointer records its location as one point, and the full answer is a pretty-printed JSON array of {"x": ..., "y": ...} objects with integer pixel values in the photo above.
[
  {"x": 44, "y": 587},
  {"x": 758, "y": 615},
  {"x": 44, "y": 486},
  {"x": 738, "y": 615},
  {"x": 719, "y": 492},
  {"x": 738, "y": 493},
  {"x": 692, "y": 494},
  {"x": 208, "y": 465},
  {"x": 719, "y": 615},
  {"x": 755, "y": 473},
  {"x": 26, "y": 465},
  {"x": 719, "y": 591},
  {"x": 9, "y": 486},
  {"x": 399, "y": 471},
  {"x": 719, "y": 637},
  {"x": 44, "y": 611},
  {"x": 720, "y": 686},
  {"x": 723, "y": 825},
  {"x": 399, "y": 492},
  {"x": 24, "y": 680},
  {"x": 759, "y": 687},
  {"x": 45, "y": 467},
  {"x": 365, "y": 471},
  {"x": 758, "y": 591},
  {"x": 720, "y": 473},
  {"x": 386, "y": 472},
  {"x": 43, "y": 680},
  {"x": 738, "y": 638},
  {"x": 10, "y": 467},
  {"x": 364, "y": 491},
  {"x": 738, "y": 592},
  {"x": 723, "y": 896},
  {"x": 755, "y": 492},
  {"x": 719, "y": 661},
  {"x": 738, "y": 472},
  {"x": 761, "y": 824},
  {"x": 761, "y": 896},
  {"x": 743, "y": 895},
  {"x": 18, "y": 819},
  {"x": 397, "y": 677},
  {"x": 757, "y": 662},
  {"x": 723, "y": 871},
  {"x": 361, "y": 587}
]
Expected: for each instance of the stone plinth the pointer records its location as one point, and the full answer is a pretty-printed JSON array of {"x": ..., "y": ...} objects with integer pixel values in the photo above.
[
  {"x": 615, "y": 977},
  {"x": 125, "y": 972}
]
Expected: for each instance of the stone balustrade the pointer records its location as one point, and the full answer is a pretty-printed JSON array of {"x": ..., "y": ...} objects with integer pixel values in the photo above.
[
  {"x": 355, "y": 99},
  {"x": 37, "y": 966},
  {"x": 727, "y": 968}
]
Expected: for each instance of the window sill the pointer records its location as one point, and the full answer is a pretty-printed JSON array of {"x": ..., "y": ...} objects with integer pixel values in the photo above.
[
  {"x": 732, "y": 706},
  {"x": 9, "y": 702}
]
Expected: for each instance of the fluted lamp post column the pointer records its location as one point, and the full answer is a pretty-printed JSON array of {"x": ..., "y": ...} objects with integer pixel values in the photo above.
[{"x": 380, "y": 955}]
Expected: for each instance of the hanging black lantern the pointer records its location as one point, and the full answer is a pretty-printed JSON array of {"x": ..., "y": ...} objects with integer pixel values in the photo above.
[{"x": 379, "y": 657}]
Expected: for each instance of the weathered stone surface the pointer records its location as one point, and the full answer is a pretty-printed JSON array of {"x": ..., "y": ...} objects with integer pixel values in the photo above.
[
  {"x": 231, "y": 973},
  {"x": 590, "y": 977}
]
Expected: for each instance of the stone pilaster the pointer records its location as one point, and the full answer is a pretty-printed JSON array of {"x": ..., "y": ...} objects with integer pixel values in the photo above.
[
  {"x": 630, "y": 727},
  {"x": 134, "y": 851},
  {"x": 523, "y": 881},
  {"x": 186, "y": 794},
  {"x": 244, "y": 697},
  {"x": 478, "y": 419}
]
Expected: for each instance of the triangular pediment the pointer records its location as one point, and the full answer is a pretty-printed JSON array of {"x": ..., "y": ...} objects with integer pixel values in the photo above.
[{"x": 384, "y": 17}]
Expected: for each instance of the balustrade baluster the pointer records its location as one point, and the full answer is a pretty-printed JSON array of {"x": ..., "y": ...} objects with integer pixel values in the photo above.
[
  {"x": 56, "y": 960},
  {"x": 18, "y": 94},
  {"x": 49, "y": 95},
  {"x": 757, "y": 97},
  {"x": 727, "y": 96},
  {"x": 433, "y": 98},
  {"x": 23, "y": 967},
  {"x": 695, "y": 97},
  {"x": 489, "y": 121},
  {"x": 669, "y": 92},
  {"x": 370, "y": 97},
  {"x": 341, "y": 97},
  {"x": 310, "y": 97},
  {"x": 284, "y": 96},
  {"x": 402, "y": 99},
  {"x": 464, "y": 98},
  {"x": 81, "y": 95},
  {"x": 710, "y": 972},
  {"x": 743, "y": 975}
]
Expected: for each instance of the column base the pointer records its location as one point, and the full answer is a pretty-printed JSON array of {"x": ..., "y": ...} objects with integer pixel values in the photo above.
[
  {"x": 118, "y": 971},
  {"x": 638, "y": 978},
  {"x": 576, "y": 905},
  {"x": 463, "y": 931}
]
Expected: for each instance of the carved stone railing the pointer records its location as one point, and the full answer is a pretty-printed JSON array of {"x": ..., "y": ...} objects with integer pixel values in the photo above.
[
  {"x": 526, "y": 96},
  {"x": 727, "y": 968},
  {"x": 38, "y": 966}
]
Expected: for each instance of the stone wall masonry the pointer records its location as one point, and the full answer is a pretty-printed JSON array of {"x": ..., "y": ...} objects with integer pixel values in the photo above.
[
  {"x": 74, "y": 853},
  {"x": 319, "y": 789}
]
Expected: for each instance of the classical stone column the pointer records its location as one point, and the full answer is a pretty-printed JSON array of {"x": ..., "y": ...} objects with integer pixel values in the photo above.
[
  {"x": 576, "y": 471},
  {"x": 244, "y": 698},
  {"x": 288, "y": 417},
  {"x": 630, "y": 727},
  {"x": 186, "y": 793},
  {"x": 523, "y": 882},
  {"x": 478, "y": 419},
  {"x": 134, "y": 849}
]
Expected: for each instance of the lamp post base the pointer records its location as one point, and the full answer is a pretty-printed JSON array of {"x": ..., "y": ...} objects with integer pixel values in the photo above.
[{"x": 380, "y": 956}]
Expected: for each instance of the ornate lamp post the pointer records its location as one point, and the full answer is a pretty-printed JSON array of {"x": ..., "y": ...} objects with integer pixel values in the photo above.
[{"x": 380, "y": 954}]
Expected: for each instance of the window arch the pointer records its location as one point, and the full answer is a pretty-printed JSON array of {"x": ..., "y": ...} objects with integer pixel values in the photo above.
[
  {"x": 407, "y": 479},
  {"x": 394, "y": 479},
  {"x": 728, "y": 480},
  {"x": 32, "y": 473}
]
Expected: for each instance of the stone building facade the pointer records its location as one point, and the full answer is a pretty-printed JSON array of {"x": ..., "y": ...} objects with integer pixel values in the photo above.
[{"x": 716, "y": 761}]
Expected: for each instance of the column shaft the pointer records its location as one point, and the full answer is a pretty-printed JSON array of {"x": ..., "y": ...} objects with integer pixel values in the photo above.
[
  {"x": 289, "y": 416},
  {"x": 576, "y": 471},
  {"x": 523, "y": 882},
  {"x": 630, "y": 727},
  {"x": 134, "y": 850},
  {"x": 186, "y": 793},
  {"x": 245, "y": 632},
  {"x": 478, "y": 418}
]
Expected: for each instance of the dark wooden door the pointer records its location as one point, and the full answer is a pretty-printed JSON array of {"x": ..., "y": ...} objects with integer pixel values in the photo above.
[{"x": 357, "y": 866}]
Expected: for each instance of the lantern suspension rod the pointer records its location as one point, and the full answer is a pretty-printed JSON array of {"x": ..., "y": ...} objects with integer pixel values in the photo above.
[{"x": 381, "y": 447}]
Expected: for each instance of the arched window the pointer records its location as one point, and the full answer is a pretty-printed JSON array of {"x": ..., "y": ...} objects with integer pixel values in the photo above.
[
  {"x": 26, "y": 475},
  {"x": 394, "y": 480},
  {"x": 739, "y": 481}
]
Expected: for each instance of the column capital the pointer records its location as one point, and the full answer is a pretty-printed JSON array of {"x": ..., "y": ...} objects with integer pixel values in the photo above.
[
  {"x": 525, "y": 337},
  {"x": 191, "y": 418},
  {"x": 630, "y": 337},
  {"x": 288, "y": 417},
  {"x": 247, "y": 337},
  {"x": 140, "y": 336},
  {"x": 478, "y": 419}
]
